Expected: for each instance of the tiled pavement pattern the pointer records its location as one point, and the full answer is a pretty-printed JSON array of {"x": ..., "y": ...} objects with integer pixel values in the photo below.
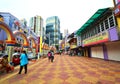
[{"x": 66, "y": 70}]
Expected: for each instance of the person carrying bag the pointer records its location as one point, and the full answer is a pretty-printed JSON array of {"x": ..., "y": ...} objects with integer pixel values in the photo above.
[{"x": 23, "y": 62}]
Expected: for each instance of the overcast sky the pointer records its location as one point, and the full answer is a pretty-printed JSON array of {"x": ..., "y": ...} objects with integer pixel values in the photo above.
[{"x": 72, "y": 13}]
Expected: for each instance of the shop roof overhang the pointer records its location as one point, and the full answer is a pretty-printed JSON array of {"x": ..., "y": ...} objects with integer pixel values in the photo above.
[
  {"x": 97, "y": 15},
  {"x": 71, "y": 39},
  {"x": 72, "y": 34}
]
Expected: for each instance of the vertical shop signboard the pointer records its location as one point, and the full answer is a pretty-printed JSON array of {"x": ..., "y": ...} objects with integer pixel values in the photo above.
[{"x": 117, "y": 8}]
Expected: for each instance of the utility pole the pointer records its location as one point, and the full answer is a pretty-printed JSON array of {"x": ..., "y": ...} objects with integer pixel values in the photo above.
[
  {"x": 65, "y": 43},
  {"x": 49, "y": 38}
]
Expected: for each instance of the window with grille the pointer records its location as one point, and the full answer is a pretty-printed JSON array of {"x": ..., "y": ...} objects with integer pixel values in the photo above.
[
  {"x": 102, "y": 26},
  {"x": 111, "y": 21},
  {"x": 98, "y": 28},
  {"x": 89, "y": 33},
  {"x": 106, "y": 24},
  {"x": 83, "y": 36}
]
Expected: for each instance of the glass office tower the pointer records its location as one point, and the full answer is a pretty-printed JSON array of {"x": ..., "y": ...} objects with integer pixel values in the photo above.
[{"x": 53, "y": 28}]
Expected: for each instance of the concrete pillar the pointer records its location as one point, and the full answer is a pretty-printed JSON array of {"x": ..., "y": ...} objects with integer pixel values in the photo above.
[
  {"x": 9, "y": 51},
  {"x": 105, "y": 52},
  {"x": 118, "y": 22},
  {"x": 33, "y": 52}
]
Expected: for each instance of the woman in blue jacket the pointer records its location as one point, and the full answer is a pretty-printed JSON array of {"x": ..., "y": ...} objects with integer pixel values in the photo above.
[{"x": 23, "y": 62}]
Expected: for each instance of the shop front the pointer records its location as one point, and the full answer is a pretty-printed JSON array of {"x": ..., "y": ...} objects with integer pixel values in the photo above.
[
  {"x": 113, "y": 49},
  {"x": 97, "y": 52},
  {"x": 104, "y": 45},
  {"x": 96, "y": 44}
]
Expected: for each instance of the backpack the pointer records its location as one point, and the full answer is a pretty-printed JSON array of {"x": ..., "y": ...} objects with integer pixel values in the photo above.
[{"x": 49, "y": 54}]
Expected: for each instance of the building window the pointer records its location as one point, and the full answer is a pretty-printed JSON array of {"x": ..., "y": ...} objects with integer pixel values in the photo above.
[
  {"x": 111, "y": 21},
  {"x": 106, "y": 24},
  {"x": 83, "y": 37},
  {"x": 98, "y": 28},
  {"x": 102, "y": 26},
  {"x": 94, "y": 31},
  {"x": 86, "y": 35},
  {"x": 91, "y": 32}
]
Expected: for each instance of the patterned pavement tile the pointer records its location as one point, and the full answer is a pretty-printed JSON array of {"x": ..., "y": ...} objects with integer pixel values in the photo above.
[
  {"x": 55, "y": 81},
  {"x": 66, "y": 70},
  {"x": 108, "y": 78},
  {"x": 106, "y": 82},
  {"x": 84, "y": 82},
  {"x": 79, "y": 75},
  {"x": 90, "y": 79},
  {"x": 73, "y": 80}
]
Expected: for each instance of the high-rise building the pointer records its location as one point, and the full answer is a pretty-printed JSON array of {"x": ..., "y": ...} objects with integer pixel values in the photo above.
[
  {"x": 66, "y": 32},
  {"x": 53, "y": 28},
  {"x": 36, "y": 24}
]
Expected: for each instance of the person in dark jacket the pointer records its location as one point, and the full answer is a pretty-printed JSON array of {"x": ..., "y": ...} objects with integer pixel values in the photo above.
[
  {"x": 49, "y": 55},
  {"x": 52, "y": 56},
  {"x": 23, "y": 62}
]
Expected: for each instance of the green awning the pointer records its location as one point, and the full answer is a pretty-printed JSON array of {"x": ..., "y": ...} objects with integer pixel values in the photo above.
[{"x": 98, "y": 14}]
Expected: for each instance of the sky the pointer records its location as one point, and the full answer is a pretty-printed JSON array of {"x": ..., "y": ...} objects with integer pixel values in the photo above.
[{"x": 72, "y": 13}]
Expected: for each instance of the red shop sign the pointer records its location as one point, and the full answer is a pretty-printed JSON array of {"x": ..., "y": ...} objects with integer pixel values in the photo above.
[{"x": 117, "y": 10}]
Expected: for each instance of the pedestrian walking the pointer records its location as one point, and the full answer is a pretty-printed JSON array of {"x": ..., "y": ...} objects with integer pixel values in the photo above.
[
  {"x": 49, "y": 55},
  {"x": 23, "y": 62},
  {"x": 60, "y": 52},
  {"x": 52, "y": 56}
]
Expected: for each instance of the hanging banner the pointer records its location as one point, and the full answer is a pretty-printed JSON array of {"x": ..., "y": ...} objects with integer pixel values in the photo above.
[{"x": 99, "y": 38}]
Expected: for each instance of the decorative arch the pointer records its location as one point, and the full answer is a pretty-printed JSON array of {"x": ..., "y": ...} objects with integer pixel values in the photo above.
[
  {"x": 10, "y": 36},
  {"x": 26, "y": 42},
  {"x": 33, "y": 41}
]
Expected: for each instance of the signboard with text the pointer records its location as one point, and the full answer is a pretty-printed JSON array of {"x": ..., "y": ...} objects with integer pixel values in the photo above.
[
  {"x": 73, "y": 46},
  {"x": 99, "y": 38},
  {"x": 117, "y": 8},
  {"x": 117, "y": 2}
]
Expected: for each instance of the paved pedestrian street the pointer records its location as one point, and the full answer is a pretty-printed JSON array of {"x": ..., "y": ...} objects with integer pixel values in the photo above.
[{"x": 66, "y": 70}]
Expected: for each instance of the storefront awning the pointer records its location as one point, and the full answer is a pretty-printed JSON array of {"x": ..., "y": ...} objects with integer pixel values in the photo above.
[{"x": 97, "y": 15}]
